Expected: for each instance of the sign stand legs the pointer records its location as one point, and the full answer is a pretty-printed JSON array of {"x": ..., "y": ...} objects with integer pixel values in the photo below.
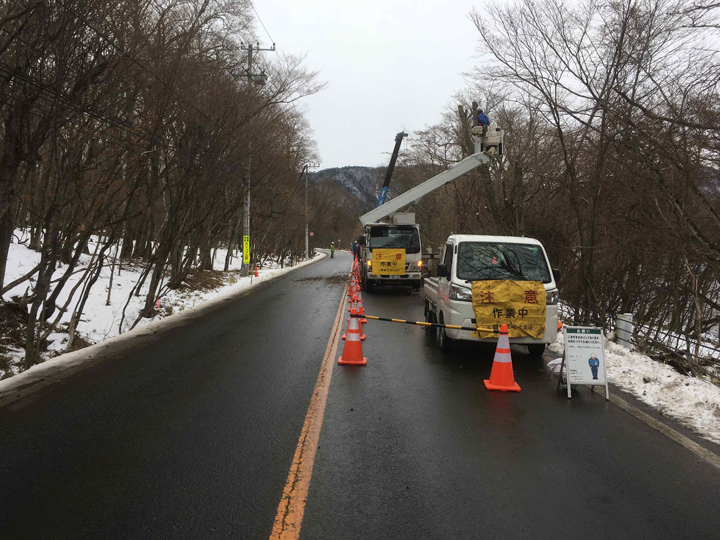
[{"x": 560, "y": 376}]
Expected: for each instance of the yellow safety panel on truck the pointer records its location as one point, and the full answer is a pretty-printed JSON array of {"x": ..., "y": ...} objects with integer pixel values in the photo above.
[
  {"x": 519, "y": 304},
  {"x": 388, "y": 262}
]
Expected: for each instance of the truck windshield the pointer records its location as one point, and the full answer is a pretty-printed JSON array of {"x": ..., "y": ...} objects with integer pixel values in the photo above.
[
  {"x": 395, "y": 237},
  {"x": 479, "y": 261}
]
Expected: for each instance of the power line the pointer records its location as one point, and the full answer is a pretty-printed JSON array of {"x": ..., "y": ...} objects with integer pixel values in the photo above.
[
  {"x": 252, "y": 5},
  {"x": 137, "y": 62},
  {"x": 109, "y": 119}
]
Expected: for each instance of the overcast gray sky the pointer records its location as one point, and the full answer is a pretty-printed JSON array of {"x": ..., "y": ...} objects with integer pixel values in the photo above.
[{"x": 389, "y": 64}]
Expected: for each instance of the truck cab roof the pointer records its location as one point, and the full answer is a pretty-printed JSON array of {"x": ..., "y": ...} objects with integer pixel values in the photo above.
[{"x": 455, "y": 238}]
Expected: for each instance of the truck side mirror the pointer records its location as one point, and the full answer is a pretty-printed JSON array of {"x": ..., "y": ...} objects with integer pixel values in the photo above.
[
  {"x": 361, "y": 241},
  {"x": 442, "y": 270},
  {"x": 557, "y": 274}
]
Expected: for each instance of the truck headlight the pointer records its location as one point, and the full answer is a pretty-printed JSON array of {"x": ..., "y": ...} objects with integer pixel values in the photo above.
[
  {"x": 551, "y": 297},
  {"x": 369, "y": 264},
  {"x": 460, "y": 293}
]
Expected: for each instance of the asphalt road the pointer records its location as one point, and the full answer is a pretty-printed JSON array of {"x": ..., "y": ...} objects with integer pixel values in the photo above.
[
  {"x": 190, "y": 437},
  {"x": 193, "y": 437},
  {"x": 413, "y": 446}
]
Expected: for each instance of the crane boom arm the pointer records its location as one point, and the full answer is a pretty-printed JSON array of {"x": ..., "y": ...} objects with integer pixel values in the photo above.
[
  {"x": 388, "y": 175},
  {"x": 418, "y": 192}
]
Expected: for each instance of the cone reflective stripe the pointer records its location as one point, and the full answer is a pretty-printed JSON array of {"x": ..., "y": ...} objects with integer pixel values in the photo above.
[
  {"x": 352, "y": 351},
  {"x": 353, "y": 315},
  {"x": 501, "y": 376},
  {"x": 256, "y": 272},
  {"x": 361, "y": 309}
]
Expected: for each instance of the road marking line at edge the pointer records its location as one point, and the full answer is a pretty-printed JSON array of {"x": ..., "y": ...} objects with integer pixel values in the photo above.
[
  {"x": 292, "y": 503},
  {"x": 701, "y": 451}
]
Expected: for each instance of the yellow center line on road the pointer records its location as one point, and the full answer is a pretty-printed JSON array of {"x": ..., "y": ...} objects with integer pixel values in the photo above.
[{"x": 292, "y": 503}]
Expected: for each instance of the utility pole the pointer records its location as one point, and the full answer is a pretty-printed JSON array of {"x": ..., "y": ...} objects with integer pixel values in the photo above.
[
  {"x": 258, "y": 79},
  {"x": 245, "y": 269},
  {"x": 306, "y": 168}
]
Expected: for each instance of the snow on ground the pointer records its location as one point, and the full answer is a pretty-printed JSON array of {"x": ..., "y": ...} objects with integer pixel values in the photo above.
[
  {"x": 690, "y": 400},
  {"x": 100, "y": 321}
]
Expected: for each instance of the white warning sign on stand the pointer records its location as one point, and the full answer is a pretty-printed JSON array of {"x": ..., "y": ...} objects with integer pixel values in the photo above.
[{"x": 584, "y": 357}]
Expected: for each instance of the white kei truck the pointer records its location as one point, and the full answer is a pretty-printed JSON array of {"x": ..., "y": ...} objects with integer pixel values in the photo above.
[{"x": 468, "y": 258}]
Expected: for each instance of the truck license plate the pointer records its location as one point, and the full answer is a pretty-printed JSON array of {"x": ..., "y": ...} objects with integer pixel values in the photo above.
[{"x": 394, "y": 277}]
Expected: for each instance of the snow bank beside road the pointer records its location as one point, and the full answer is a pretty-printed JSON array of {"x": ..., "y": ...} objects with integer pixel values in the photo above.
[{"x": 692, "y": 401}]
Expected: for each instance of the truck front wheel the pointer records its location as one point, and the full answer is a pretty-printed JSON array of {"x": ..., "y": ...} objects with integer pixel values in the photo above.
[
  {"x": 444, "y": 342},
  {"x": 369, "y": 285}
]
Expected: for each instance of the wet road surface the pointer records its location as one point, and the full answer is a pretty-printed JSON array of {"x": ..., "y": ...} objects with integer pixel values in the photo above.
[
  {"x": 413, "y": 446},
  {"x": 193, "y": 437},
  {"x": 190, "y": 437}
]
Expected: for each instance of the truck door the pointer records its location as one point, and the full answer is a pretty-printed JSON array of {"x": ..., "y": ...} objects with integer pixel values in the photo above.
[{"x": 444, "y": 282}]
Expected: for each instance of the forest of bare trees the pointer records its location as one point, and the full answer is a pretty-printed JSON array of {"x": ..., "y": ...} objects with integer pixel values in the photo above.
[
  {"x": 612, "y": 119},
  {"x": 137, "y": 122}
]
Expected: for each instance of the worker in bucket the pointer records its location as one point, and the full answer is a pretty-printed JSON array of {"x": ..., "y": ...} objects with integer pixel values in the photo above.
[
  {"x": 332, "y": 249},
  {"x": 594, "y": 365},
  {"x": 355, "y": 247},
  {"x": 483, "y": 120}
]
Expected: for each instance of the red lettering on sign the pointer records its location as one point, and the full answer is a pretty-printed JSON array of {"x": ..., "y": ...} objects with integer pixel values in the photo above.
[{"x": 486, "y": 297}]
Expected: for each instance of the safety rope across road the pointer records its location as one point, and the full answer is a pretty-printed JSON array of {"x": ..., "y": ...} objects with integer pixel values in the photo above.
[{"x": 426, "y": 324}]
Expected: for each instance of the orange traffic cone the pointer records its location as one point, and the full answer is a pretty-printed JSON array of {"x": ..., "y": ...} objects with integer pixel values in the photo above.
[
  {"x": 256, "y": 272},
  {"x": 353, "y": 315},
  {"x": 361, "y": 309},
  {"x": 501, "y": 376},
  {"x": 352, "y": 351}
]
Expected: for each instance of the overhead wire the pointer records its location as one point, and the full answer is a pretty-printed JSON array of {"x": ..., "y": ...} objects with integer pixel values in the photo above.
[
  {"x": 122, "y": 51},
  {"x": 50, "y": 92},
  {"x": 252, "y": 5},
  {"x": 123, "y": 126}
]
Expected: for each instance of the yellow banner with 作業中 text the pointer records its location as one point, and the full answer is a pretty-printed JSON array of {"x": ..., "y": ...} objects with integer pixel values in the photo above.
[
  {"x": 518, "y": 304},
  {"x": 388, "y": 262}
]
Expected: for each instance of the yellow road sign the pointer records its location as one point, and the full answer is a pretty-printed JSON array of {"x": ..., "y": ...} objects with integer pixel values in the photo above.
[
  {"x": 388, "y": 262},
  {"x": 519, "y": 304},
  {"x": 246, "y": 249}
]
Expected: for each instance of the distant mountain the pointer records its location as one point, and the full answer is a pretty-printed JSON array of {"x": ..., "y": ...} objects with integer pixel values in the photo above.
[{"x": 361, "y": 182}]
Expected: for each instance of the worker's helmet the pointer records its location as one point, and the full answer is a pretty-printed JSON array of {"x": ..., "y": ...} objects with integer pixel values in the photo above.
[{"x": 479, "y": 109}]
